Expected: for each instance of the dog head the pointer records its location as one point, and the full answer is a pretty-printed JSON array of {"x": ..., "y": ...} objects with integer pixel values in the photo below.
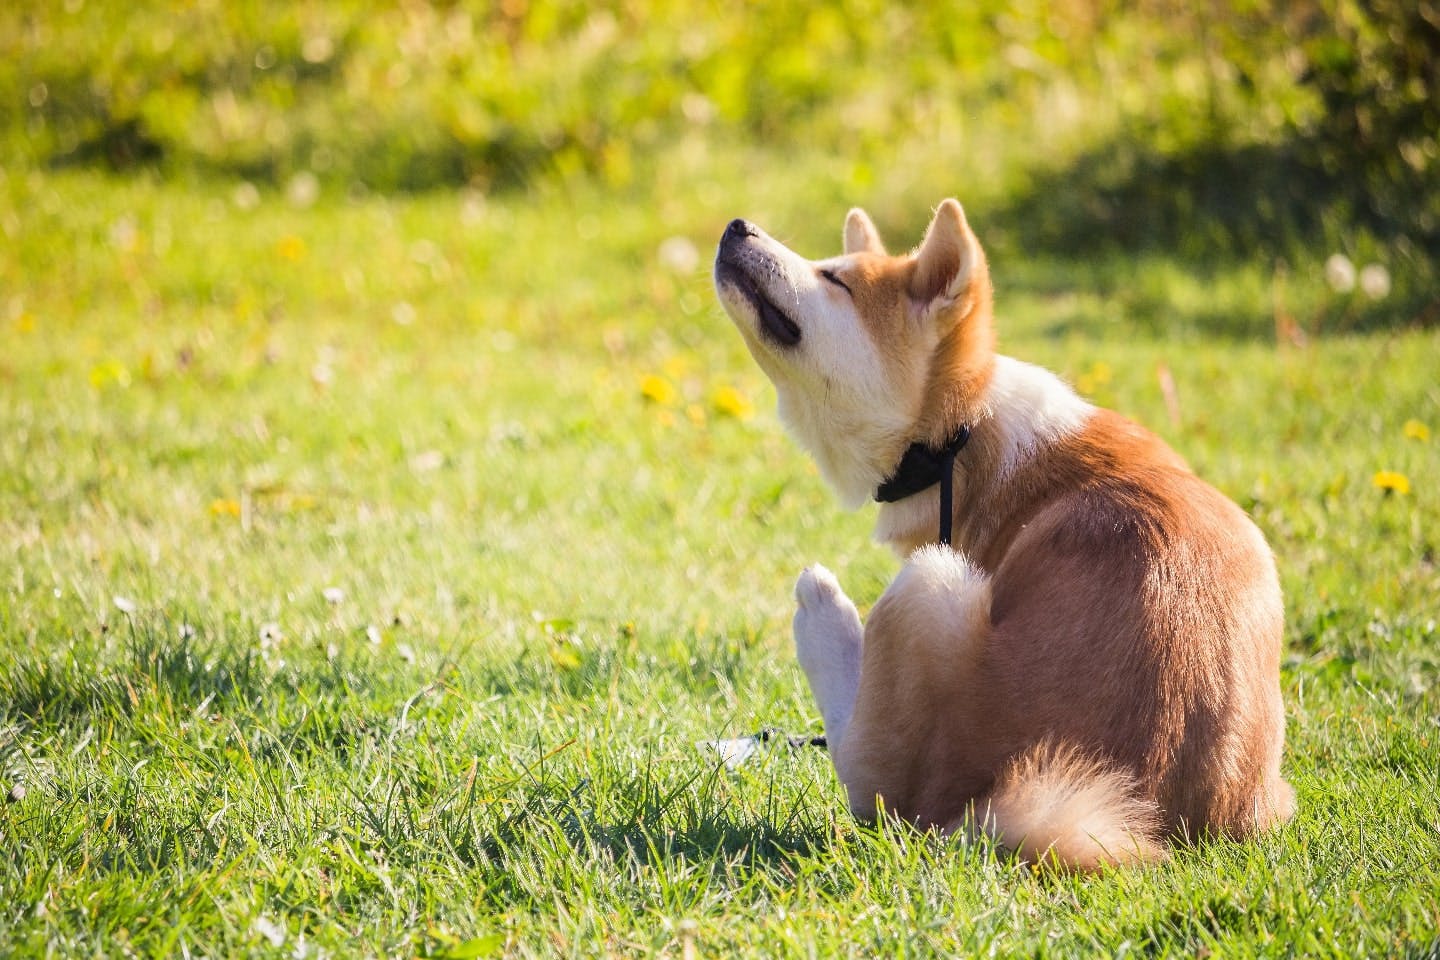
[{"x": 868, "y": 352}]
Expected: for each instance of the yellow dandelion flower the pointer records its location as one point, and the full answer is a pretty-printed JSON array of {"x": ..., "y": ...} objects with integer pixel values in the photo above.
[
  {"x": 291, "y": 248},
  {"x": 1096, "y": 377},
  {"x": 565, "y": 657},
  {"x": 657, "y": 389},
  {"x": 107, "y": 372},
  {"x": 225, "y": 507},
  {"x": 730, "y": 402},
  {"x": 1391, "y": 481},
  {"x": 25, "y": 323},
  {"x": 1415, "y": 430}
]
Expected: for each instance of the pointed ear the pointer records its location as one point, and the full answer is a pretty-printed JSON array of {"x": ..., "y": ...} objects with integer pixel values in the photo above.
[
  {"x": 947, "y": 260},
  {"x": 860, "y": 234}
]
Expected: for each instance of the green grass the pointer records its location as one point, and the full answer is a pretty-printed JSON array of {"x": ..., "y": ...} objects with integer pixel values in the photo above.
[
  {"x": 373, "y": 562},
  {"x": 553, "y": 588}
]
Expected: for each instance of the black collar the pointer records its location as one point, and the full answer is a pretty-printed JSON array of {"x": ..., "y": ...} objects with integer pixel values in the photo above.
[{"x": 923, "y": 466}]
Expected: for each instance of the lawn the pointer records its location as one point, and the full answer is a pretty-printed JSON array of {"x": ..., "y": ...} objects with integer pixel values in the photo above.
[{"x": 377, "y": 561}]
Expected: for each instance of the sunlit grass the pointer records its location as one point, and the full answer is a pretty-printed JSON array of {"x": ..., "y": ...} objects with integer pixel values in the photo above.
[{"x": 373, "y": 570}]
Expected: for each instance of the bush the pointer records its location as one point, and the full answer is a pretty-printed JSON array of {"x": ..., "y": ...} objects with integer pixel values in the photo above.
[
  {"x": 424, "y": 95},
  {"x": 1249, "y": 127},
  {"x": 1375, "y": 67}
]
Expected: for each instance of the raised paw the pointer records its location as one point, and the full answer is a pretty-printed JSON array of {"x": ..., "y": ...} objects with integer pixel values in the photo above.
[
  {"x": 827, "y": 625},
  {"x": 817, "y": 586},
  {"x": 827, "y": 644}
]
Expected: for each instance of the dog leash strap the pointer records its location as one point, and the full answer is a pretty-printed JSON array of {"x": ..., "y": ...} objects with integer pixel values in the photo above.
[
  {"x": 947, "y": 480},
  {"x": 947, "y": 493}
]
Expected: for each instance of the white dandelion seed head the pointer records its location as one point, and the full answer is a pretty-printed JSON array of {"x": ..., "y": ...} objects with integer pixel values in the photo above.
[
  {"x": 1340, "y": 273},
  {"x": 1375, "y": 281},
  {"x": 246, "y": 196},
  {"x": 317, "y": 48},
  {"x": 303, "y": 189}
]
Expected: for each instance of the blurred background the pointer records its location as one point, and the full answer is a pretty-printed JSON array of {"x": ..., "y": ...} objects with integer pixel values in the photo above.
[{"x": 1279, "y": 132}]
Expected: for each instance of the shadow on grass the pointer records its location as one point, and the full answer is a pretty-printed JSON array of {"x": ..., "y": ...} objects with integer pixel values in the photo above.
[
  {"x": 1213, "y": 205},
  {"x": 549, "y": 833},
  {"x": 1204, "y": 203},
  {"x": 510, "y": 158},
  {"x": 1193, "y": 927},
  {"x": 77, "y": 685},
  {"x": 185, "y": 679}
]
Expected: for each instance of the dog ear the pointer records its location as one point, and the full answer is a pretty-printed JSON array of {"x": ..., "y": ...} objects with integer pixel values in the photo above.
[
  {"x": 947, "y": 260},
  {"x": 860, "y": 234}
]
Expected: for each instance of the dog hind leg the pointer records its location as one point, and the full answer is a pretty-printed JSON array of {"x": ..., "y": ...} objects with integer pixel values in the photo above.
[{"x": 915, "y": 732}]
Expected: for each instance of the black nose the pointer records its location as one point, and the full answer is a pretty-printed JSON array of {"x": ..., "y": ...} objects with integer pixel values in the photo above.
[{"x": 737, "y": 230}]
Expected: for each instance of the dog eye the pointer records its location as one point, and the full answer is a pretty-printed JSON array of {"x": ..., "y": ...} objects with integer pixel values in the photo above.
[{"x": 830, "y": 275}]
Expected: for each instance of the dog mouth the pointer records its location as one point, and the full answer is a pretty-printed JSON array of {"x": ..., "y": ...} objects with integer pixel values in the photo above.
[{"x": 775, "y": 324}]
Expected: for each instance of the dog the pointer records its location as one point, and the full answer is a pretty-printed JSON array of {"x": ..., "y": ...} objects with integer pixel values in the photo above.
[{"x": 1080, "y": 656}]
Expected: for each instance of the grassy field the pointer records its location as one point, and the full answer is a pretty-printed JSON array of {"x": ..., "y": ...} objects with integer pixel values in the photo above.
[
  {"x": 373, "y": 563},
  {"x": 375, "y": 568}
]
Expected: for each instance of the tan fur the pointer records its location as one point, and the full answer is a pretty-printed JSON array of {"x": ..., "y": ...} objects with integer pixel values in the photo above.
[
  {"x": 1054, "y": 804},
  {"x": 861, "y": 235},
  {"x": 1094, "y": 668}
]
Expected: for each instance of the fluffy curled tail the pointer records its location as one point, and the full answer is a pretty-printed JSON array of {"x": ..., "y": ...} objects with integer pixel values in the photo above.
[{"x": 1055, "y": 806}]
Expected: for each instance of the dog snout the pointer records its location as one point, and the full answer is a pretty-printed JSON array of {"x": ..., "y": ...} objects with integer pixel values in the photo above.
[{"x": 738, "y": 230}]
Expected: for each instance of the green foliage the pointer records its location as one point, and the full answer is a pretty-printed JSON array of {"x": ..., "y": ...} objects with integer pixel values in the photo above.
[
  {"x": 1282, "y": 133},
  {"x": 415, "y": 95},
  {"x": 1376, "y": 69}
]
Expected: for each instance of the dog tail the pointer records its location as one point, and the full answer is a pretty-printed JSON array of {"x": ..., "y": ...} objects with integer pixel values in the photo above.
[{"x": 1054, "y": 806}]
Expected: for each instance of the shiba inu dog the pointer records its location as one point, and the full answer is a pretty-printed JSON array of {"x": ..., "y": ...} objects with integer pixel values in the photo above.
[{"x": 1088, "y": 668}]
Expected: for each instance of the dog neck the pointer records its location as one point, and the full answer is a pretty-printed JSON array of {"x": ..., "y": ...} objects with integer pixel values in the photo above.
[
  {"x": 1025, "y": 410},
  {"x": 923, "y": 466}
]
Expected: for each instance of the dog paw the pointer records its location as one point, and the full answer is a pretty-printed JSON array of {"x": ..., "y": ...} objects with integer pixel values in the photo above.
[
  {"x": 827, "y": 625},
  {"x": 817, "y": 587}
]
